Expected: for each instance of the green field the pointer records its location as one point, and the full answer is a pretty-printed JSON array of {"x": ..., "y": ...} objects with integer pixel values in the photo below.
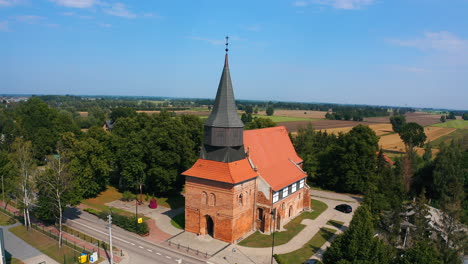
[
  {"x": 305, "y": 252},
  {"x": 178, "y": 221},
  {"x": 460, "y": 135},
  {"x": 45, "y": 244},
  {"x": 6, "y": 220},
  {"x": 293, "y": 228},
  {"x": 454, "y": 124},
  {"x": 278, "y": 119}
]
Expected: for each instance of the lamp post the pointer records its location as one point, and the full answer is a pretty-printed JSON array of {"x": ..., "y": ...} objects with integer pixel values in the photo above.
[{"x": 273, "y": 214}]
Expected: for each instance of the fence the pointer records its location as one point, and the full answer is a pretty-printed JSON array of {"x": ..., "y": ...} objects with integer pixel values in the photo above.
[{"x": 189, "y": 250}]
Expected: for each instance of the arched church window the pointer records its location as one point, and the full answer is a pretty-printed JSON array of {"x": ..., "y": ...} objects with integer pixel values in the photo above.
[
  {"x": 204, "y": 198},
  {"x": 282, "y": 206},
  {"x": 212, "y": 200},
  {"x": 241, "y": 197}
]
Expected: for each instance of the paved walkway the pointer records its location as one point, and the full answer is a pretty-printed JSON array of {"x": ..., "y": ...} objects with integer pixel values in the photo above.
[{"x": 21, "y": 250}]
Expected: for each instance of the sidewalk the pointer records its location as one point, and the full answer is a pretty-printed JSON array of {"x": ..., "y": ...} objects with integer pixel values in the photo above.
[{"x": 65, "y": 236}]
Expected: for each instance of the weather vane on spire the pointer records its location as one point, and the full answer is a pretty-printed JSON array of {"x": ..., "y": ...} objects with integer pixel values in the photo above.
[{"x": 227, "y": 43}]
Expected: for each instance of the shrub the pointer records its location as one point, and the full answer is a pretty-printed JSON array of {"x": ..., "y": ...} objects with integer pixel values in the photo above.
[
  {"x": 128, "y": 223},
  {"x": 128, "y": 196}
]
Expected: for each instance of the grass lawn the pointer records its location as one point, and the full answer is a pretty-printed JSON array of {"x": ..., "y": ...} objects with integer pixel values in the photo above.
[
  {"x": 45, "y": 244},
  {"x": 305, "y": 252},
  {"x": 6, "y": 220},
  {"x": 453, "y": 124},
  {"x": 107, "y": 196},
  {"x": 460, "y": 134},
  {"x": 178, "y": 221},
  {"x": 258, "y": 239},
  {"x": 172, "y": 202},
  {"x": 335, "y": 223}
]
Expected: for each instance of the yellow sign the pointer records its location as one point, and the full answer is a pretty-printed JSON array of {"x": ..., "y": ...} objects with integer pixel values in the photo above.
[
  {"x": 140, "y": 220},
  {"x": 83, "y": 258}
]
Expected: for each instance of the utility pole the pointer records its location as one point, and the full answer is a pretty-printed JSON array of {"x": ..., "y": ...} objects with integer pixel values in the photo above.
[{"x": 110, "y": 238}]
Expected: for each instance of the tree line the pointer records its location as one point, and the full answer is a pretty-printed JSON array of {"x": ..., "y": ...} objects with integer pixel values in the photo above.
[
  {"x": 48, "y": 163},
  {"x": 392, "y": 225}
]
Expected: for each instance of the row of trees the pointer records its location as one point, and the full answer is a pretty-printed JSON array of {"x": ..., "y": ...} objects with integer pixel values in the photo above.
[
  {"x": 47, "y": 163},
  {"x": 392, "y": 225}
]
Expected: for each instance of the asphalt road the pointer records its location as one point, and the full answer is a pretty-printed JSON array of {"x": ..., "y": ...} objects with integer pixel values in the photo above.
[{"x": 138, "y": 249}]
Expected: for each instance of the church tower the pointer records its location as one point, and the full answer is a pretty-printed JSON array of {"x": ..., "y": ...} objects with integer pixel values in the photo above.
[
  {"x": 223, "y": 129},
  {"x": 220, "y": 186}
]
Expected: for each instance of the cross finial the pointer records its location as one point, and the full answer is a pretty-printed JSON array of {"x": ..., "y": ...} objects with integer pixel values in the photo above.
[{"x": 227, "y": 43}]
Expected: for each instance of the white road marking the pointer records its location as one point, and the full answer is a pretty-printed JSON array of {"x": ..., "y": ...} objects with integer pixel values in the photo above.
[
  {"x": 157, "y": 253},
  {"x": 132, "y": 244},
  {"x": 150, "y": 250},
  {"x": 140, "y": 246},
  {"x": 179, "y": 261},
  {"x": 168, "y": 257},
  {"x": 105, "y": 233}
]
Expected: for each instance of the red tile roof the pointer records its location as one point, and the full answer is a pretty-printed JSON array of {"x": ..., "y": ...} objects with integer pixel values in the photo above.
[
  {"x": 233, "y": 172},
  {"x": 274, "y": 156}
]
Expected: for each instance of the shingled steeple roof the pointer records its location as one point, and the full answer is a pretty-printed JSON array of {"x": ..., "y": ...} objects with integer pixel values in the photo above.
[
  {"x": 224, "y": 112},
  {"x": 223, "y": 137}
]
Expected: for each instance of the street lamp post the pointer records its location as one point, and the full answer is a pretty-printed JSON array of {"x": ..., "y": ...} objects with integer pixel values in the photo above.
[{"x": 273, "y": 214}]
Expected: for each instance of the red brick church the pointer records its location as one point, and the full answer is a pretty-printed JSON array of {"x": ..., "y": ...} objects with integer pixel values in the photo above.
[{"x": 242, "y": 178}]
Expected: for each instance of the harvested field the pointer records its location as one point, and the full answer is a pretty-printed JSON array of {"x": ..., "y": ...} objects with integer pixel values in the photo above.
[
  {"x": 321, "y": 124},
  {"x": 83, "y": 114},
  {"x": 298, "y": 113},
  {"x": 182, "y": 112},
  {"x": 424, "y": 119},
  {"x": 393, "y": 142},
  {"x": 379, "y": 129}
]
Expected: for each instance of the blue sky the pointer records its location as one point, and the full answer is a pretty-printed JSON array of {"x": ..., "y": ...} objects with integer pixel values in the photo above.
[{"x": 391, "y": 52}]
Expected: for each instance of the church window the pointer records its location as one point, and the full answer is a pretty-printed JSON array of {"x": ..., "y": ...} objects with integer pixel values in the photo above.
[
  {"x": 301, "y": 184},
  {"x": 285, "y": 192},
  {"x": 212, "y": 200},
  {"x": 282, "y": 206},
  {"x": 204, "y": 198},
  {"x": 275, "y": 197},
  {"x": 241, "y": 197},
  {"x": 293, "y": 188}
]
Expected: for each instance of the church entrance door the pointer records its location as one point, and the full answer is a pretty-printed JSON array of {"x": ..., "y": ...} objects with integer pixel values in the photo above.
[{"x": 209, "y": 225}]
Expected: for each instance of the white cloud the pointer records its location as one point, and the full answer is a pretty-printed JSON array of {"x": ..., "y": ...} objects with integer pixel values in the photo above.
[
  {"x": 75, "y": 3},
  {"x": 119, "y": 9},
  {"x": 442, "y": 41},
  {"x": 29, "y": 19},
  {"x": 301, "y": 3},
  {"x": 8, "y": 3},
  {"x": 338, "y": 4},
  {"x": 73, "y": 14},
  {"x": 4, "y": 26}
]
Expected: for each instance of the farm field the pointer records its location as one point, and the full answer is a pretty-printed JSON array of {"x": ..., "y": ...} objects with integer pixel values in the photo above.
[
  {"x": 298, "y": 113},
  {"x": 379, "y": 129},
  {"x": 454, "y": 124},
  {"x": 321, "y": 124},
  {"x": 83, "y": 114},
  {"x": 460, "y": 135},
  {"x": 393, "y": 142},
  {"x": 422, "y": 118}
]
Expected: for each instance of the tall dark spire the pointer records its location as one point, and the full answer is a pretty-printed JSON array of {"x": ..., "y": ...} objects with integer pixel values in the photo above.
[{"x": 223, "y": 128}]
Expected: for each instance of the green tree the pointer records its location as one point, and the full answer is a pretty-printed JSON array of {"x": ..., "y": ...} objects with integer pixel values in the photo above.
[
  {"x": 413, "y": 136},
  {"x": 260, "y": 122},
  {"x": 465, "y": 116},
  {"x": 449, "y": 181},
  {"x": 442, "y": 118},
  {"x": 397, "y": 121},
  {"x": 122, "y": 112},
  {"x": 349, "y": 165},
  {"x": 451, "y": 115},
  {"x": 427, "y": 156},
  {"x": 25, "y": 169},
  {"x": 270, "y": 110},
  {"x": 358, "y": 244},
  {"x": 249, "y": 109},
  {"x": 56, "y": 187},
  {"x": 422, "y": 252}
]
